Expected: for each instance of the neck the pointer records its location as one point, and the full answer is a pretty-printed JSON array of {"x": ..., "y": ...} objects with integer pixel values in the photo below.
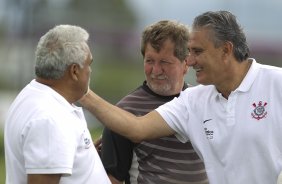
[
  {"x": 236, "y": 76},
  {"x": 57, "y": 85}
]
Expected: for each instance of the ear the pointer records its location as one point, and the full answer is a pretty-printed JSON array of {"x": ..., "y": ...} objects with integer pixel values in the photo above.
[
  {"x": 228, "y": 48},
  {"x": 74, "y": 71}
]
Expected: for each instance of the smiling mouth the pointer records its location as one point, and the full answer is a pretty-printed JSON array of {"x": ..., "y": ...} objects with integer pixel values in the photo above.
[{"x": 162, "y": 77}]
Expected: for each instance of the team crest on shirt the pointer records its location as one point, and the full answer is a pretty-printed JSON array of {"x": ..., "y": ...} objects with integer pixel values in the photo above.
[{"x": 259, "y": 111}]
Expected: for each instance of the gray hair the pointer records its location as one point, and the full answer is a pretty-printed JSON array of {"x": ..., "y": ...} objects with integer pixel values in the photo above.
[
  {"x": 224, "y": 27},
  {"x": 59, "y": 48}
]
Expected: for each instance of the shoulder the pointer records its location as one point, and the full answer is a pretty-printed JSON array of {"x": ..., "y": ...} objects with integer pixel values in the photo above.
[
  {"x": 197, "y": 95},
  {"x": 198, "y": 91},
  {"x": 270, "y": 70},
  {"x": 269, "y": 75},
  {"x": 137, "y": 98}
]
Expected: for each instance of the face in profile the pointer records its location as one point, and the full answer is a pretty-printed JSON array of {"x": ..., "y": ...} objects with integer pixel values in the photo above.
[
  {"x": 84, "y": 74},
  {"x": 206, "y": 59}
]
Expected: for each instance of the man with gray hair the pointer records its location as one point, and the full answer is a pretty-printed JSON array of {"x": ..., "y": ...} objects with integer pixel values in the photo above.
[{"x": 46, "y": 135}]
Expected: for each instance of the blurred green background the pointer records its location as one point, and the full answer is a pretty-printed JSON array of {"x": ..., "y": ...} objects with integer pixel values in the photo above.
[{"x": 115, "y": 28}]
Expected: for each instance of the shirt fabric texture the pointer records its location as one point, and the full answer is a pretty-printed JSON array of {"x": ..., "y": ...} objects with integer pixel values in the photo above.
[
  {"x": 44, "y": 134},
  {"x": 239, "y": 139},
  {"x": 165, "y": 160}
]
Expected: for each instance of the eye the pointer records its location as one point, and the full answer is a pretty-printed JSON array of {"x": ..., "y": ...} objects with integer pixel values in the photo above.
[
  {"x": 91, "y": 61},
  {"x": 195, "y": 52},
  {"x": 164, "y": 62},
  {"x": 198, "y": 51},
  {"x": 148, "y": 61}
]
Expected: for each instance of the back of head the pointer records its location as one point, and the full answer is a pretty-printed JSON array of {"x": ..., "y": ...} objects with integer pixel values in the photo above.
[
  {"x": 224, "y": 27},
  {"x": 157, "y": 33},
  {"x": 58, "y": 48}
]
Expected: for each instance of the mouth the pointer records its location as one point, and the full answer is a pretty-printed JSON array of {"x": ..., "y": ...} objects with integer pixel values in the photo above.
[{"x": 160, "y": 77}]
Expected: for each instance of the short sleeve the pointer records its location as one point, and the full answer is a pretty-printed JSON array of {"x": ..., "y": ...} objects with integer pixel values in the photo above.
[
  {"x": 176, "y": 115},
  {"x": 48, "y": 147}
]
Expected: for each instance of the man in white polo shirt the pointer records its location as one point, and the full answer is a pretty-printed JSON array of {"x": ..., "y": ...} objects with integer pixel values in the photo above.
[
  {"x": 46, "y": 135},
  {"x": 233, "y": 119}
]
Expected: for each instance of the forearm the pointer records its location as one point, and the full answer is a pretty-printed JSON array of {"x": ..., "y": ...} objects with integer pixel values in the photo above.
[
  {"x": 114, "y": 118},
  {"x": 43, "y": 178}
]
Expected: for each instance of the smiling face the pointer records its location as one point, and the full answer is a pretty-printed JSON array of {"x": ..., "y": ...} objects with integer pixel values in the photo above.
[
  {"x": 164, "y": 72},
  {"x": 208, "y": 61}
]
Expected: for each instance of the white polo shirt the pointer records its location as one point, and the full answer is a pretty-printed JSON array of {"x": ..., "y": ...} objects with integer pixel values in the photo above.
[
  {"x": 240, "y": 139},
  {"x": 44, "y": 134}
]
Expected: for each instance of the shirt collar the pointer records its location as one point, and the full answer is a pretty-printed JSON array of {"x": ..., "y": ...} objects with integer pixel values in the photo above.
[
  {"x": 248, "y": 79},
  {"x": 46, "y": 89},
  {"x": 250, "y": 76}
]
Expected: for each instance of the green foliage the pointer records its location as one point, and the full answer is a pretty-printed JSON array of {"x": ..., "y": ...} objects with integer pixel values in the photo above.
[
  {"x": 106, "y": 13},
  {"x": 112, "y": 81},
  {"x": 96, "y": 133},
  {"x": 2, "y": 170}
]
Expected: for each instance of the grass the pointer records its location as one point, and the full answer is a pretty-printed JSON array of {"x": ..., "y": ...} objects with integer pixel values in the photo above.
[
  {"x": 2, "y": 159},
  {"x": 2, "y": 169}
]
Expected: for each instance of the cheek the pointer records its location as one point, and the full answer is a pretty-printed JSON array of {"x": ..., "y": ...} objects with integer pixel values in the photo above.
[
  {"x": 175, "y": 74},
  {"x": 147, "y": 69},
  {"x": 89, "y": 72},
  {"x": 173, "y": 70}
]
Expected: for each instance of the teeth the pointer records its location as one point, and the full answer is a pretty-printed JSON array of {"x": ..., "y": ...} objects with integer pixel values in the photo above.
[{"x": 162, "y": 77}]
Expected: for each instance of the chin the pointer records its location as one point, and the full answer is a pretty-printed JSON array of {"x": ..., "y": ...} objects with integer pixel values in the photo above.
[
  {"x": 164, "y": 90},
  {"x": 203, "y": 82}
]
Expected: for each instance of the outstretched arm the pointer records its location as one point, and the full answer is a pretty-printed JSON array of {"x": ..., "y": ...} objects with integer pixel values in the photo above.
[
  {"x": 137, "y": 129},
  {"x": 43, "y": 178}
]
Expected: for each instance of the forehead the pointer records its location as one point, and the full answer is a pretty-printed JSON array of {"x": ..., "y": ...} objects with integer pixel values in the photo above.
[
  {"x": 200, "y": 36},
  {"x": 166, "y": 46},
  {"x": 89, "y": 57}
]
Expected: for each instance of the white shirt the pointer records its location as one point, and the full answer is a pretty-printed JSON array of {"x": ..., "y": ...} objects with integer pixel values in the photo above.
[
  {"x": 240, "y": 139},
  {"x": 44, "y": 134}
]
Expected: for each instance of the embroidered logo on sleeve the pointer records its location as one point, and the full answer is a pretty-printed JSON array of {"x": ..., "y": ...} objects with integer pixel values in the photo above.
[
  {"x": 87, "y": 139},
  {"x": 259, "y": 111}
]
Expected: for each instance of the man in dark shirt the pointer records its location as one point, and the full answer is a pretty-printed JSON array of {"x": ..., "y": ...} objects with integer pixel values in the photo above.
[{"x": 166, "y": 160}]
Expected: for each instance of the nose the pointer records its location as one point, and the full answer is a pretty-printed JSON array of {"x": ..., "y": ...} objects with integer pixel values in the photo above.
[
  {"x": 191, "y": 60},
  {"x": 156, "y": 69}
]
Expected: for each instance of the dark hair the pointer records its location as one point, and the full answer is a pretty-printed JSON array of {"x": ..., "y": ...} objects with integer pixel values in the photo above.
[
  {"x": 224, "y": 27},
  {"x": 157, "y": 33}
]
